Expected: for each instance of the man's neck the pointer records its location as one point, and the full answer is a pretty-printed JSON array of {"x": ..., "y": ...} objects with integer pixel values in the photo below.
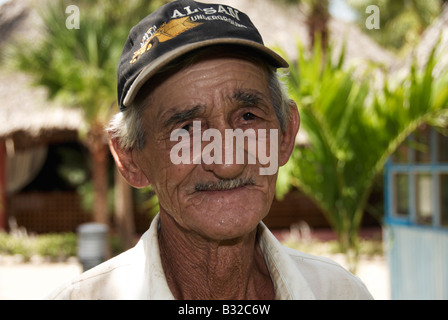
[{"x": 197, "y": 268}]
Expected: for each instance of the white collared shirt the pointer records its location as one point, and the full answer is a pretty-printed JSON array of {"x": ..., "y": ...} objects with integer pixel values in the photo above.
[{"x": 138, "y": 274}]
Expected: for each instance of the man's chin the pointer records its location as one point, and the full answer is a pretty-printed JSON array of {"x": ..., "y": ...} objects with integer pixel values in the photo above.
[
  {"x": 223, "y": 215},
  {"x": 226, "y": 224}
]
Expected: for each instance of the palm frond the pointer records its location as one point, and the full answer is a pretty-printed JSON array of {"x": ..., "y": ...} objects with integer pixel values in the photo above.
[{"x": 351, "y": 135}]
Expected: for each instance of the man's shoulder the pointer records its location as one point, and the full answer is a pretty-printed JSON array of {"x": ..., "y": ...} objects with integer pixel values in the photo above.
[{"x": 328, "y": 279}]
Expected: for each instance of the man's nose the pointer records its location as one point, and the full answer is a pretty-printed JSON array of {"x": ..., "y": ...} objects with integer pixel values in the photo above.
[
  {"x": 224, "y": 158},
  {"x": 224, "y": 170}
]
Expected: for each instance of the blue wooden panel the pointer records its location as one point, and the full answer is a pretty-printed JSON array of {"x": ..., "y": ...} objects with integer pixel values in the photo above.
[{"x": 418, "y": 262}]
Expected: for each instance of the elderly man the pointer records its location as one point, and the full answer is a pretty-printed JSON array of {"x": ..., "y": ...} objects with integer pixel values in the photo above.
[{"x": 192, "y": 79}]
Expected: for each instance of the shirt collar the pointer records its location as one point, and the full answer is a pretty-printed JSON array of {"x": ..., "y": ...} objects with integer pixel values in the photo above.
[{"x": 288, "y": 281}]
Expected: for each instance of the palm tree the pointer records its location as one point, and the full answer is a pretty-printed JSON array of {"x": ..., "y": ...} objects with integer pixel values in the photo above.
[
  {"x": 352, "y": 131},
  {"x": 78, "y": 66},
  {"x": 317, "y": 17},
  {"x": 317, "y": 22}
]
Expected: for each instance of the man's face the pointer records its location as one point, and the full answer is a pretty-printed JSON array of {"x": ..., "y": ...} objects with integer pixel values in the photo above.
[{"x": 221, "y": 93}]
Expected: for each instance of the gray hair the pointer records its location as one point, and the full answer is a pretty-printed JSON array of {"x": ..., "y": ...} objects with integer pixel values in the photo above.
[{"x": 127, "y": 126}]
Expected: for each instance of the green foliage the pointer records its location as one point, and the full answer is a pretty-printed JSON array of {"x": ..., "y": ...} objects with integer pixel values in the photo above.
[
  {"x": 78, "y": 66},
  {"x": 352, "y": 130},
  {"x": 87, "y": 196},
  {"x": 151, "y": 202},
  {"x": 73, "y": 168},
  {"x": 14, "y": 245},
  {"x": 54, "y": 245}
]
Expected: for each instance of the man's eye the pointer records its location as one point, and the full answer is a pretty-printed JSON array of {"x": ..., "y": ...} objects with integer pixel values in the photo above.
[
  {"x": 188, "y": 127},
  {"x": 249, "y": 116}
]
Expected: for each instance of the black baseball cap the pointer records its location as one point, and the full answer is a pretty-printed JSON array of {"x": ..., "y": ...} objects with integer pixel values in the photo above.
[{"x": 177, "y": 28}]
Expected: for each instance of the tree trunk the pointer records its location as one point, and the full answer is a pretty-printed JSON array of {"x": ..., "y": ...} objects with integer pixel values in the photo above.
[
  {"x": 349, "y": 246},
  {"x": 124, "y": 219},
  {"x": 317, "y": 22},
  {"x": 3, "y": 171},
  {"x": 99, "y": 153}
]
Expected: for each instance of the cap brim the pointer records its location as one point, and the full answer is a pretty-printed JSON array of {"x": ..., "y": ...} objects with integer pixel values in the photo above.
[{"x": 156, "y": 65}]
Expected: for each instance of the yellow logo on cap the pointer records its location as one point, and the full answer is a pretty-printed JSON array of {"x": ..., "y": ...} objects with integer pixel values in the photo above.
[{"x": 167, "y": 31}]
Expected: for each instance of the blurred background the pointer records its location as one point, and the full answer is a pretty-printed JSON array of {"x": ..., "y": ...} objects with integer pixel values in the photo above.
[{"x": 367, "y": 184}]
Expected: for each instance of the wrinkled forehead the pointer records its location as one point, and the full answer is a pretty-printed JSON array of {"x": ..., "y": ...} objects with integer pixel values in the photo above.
[{"x": 210, "y": 56}]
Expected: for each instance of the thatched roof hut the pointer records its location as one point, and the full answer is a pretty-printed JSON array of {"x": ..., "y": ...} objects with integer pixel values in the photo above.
[
  {"x": 438, "y": 30},
  {"x": 26, "y": 115},
  {"x": 29, "y": 118}
]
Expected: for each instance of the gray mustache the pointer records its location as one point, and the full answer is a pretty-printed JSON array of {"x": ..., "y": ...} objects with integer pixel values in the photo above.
[{"x": 224, "y": 184}]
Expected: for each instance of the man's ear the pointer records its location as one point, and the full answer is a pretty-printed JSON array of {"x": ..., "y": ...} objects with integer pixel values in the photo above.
[
  {"x": 288, "y": 137},
  {"x": 125, "y": 163}
]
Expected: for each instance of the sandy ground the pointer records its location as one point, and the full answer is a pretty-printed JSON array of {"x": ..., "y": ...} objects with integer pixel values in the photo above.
[
  {"x": 374, "y": 272},
  {"x": 29, "y": 281}
]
